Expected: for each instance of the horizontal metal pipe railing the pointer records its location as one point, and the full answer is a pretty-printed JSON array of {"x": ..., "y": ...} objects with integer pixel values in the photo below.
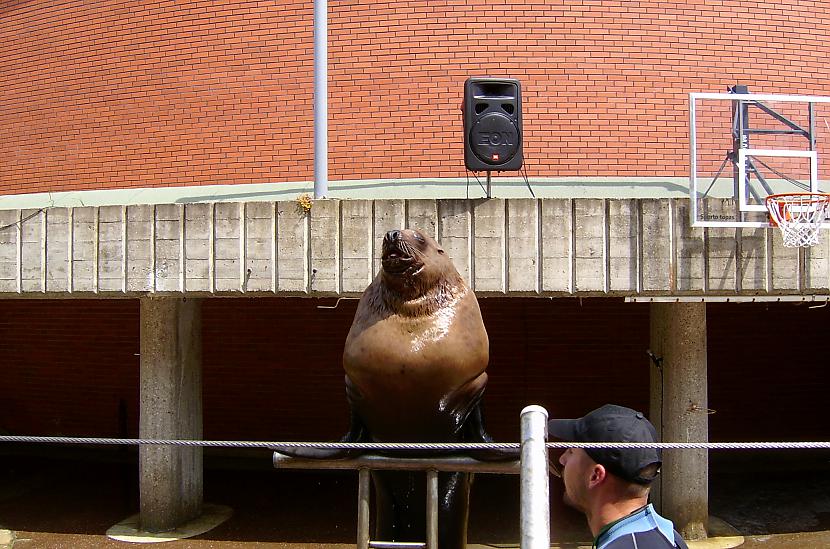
[{"x": 458, "y": 464}]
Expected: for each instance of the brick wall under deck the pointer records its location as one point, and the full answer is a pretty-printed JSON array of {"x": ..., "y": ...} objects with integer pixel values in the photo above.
[{"x": 272, "y": 366}]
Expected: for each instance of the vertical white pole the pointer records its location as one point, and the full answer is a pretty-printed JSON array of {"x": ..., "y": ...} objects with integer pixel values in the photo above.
[
  {"x": 692, "y": 160},
  {"x": 535, "y": 502},
  {"x": 321, "y": 155}
]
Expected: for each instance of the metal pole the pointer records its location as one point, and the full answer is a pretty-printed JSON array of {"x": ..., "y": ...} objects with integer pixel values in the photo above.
[
  {"x": 535, "y": 503},
  {"x": 363, "y": 508},
  {"x": 693, "y": 160},
  {"x": 432, "y": 509},
  {"x": 812, "y": 129},
  {"x": 321, "y": 127}
]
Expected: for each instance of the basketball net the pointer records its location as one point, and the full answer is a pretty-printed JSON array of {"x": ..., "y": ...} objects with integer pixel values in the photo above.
[{"x": 799, "y": 216}]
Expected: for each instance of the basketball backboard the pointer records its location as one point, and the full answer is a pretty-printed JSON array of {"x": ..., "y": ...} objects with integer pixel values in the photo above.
[{"x": 746, "y": 146}]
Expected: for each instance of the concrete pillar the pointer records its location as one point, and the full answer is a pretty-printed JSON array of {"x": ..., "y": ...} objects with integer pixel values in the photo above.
[
  {"x": 679, "y": 412},
  {"x": 170, "y": 477}
]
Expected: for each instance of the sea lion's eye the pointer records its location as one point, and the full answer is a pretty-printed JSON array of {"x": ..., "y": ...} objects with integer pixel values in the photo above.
[{"x": 419, "y": 238}]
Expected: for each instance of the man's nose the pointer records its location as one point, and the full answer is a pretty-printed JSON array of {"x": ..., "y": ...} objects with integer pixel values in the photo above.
[{"x": 563, "y": 458}]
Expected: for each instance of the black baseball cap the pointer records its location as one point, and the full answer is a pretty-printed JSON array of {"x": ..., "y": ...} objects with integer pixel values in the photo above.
[{"x": 612, "y": 423}]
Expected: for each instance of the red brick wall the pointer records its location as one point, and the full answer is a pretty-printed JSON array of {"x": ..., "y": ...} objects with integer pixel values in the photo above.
[
  {"x": 272, "y": 366},
  {"x": 66, "y": 365},
  {"x": 768, "y": 371},
  {"x": 116, "y": 95}
]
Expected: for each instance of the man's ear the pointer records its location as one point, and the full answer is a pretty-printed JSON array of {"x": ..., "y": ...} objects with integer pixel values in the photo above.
[{"x": 598, "y": 475}]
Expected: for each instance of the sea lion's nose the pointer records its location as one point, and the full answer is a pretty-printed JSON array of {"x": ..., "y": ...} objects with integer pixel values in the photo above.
[{"x": 392, "y": 236}]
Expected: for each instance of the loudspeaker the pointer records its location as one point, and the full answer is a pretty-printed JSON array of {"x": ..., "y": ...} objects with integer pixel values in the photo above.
[{"x": 492, "y": 112}]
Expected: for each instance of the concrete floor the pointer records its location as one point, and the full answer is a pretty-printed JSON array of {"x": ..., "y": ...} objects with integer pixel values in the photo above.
[{"x": 70, "y": 499}]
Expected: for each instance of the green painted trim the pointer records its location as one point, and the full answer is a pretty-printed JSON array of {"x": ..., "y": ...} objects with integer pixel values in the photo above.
[{"x": 422, "y": 188}]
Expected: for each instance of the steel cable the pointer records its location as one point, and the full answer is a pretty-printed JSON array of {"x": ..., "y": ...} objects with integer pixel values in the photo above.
[{"x": 386, "y": 446}]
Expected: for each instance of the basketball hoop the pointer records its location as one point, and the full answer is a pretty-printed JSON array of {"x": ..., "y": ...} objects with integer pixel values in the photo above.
[{"x": 799, "y": 216}]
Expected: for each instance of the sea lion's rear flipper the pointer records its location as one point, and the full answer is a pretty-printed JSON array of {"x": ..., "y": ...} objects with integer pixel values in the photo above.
[{"x": 357, "y": 433}]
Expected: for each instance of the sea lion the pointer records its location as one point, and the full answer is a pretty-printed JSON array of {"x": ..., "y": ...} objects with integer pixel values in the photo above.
[
  {"x": 417, "y": 351},
  {"x": 415, "y": 360}
]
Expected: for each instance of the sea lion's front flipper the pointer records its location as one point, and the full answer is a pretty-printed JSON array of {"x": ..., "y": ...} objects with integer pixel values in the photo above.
[
  {"x": 357, "y": 433},
  {"x": 459, "y": 404},
  {"x": 465, "y": 408},
  {"x": 475, "y": 431}
]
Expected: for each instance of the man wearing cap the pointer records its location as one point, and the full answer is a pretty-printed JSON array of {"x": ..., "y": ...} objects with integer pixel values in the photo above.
[{"x": 611, "y": 485}]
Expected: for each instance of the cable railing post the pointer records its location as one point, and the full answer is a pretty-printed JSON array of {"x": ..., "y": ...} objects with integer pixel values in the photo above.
[{"x": 535, "y": 511}]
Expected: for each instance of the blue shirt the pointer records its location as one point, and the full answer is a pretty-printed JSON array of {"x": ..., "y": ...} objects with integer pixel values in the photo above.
[{"x": 642, "y": 529}]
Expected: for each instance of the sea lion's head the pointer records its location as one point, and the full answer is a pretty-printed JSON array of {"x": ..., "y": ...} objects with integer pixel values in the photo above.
[{"x": 415, "y": 265}]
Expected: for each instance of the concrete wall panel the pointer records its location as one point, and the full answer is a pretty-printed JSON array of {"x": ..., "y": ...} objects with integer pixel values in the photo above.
[
  {"x": 817, "y": 266},
  {"x": 690, "y": 255},
  {"x": 623, "y": 245},
  {"x": 292, "y": 248},
  {"x": 356, "y": 245},
  {"x": 590, "y": 257},
  {"x": 9, "y": 251},
  {"x": 557, "y": 242},
  {"x": 325, "y": 246},
  {"x": 111, "y": 248},
  {"x": 33, "y": 251},
  {"x": 488, "y": 244},
  {"x": 198, "y": 249},
  {"x": 228, "y": 241},
  {"x": 140, "y": 251},
  {"x": 657, "y": 264},
  {"x": 60, "y": 226},
  {"x": 454, "y": 233},
  {"x": 523, "y": 243}
]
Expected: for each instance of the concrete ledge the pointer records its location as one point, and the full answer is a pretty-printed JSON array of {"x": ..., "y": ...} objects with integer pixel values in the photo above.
[
  {"x": 212, "y": 516},
  {"x": 547, "y": 247}
]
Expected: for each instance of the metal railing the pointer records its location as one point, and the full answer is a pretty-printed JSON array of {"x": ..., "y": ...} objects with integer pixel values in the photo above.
[
  {"x": 532, "y": 468},
  {"x": 535, "y": 518}
]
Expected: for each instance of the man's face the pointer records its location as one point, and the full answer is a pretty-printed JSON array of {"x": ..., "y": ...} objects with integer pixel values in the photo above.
[{"x": 577, "y": 467}]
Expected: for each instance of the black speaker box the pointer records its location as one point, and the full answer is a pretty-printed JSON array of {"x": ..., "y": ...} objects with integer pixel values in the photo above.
[{"x": 492, "y": 112}]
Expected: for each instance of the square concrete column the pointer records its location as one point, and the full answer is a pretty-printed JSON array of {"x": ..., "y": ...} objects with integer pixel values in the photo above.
[
  {"x": 170, "y": 477},
  {"x": 679, "y": 412}
]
